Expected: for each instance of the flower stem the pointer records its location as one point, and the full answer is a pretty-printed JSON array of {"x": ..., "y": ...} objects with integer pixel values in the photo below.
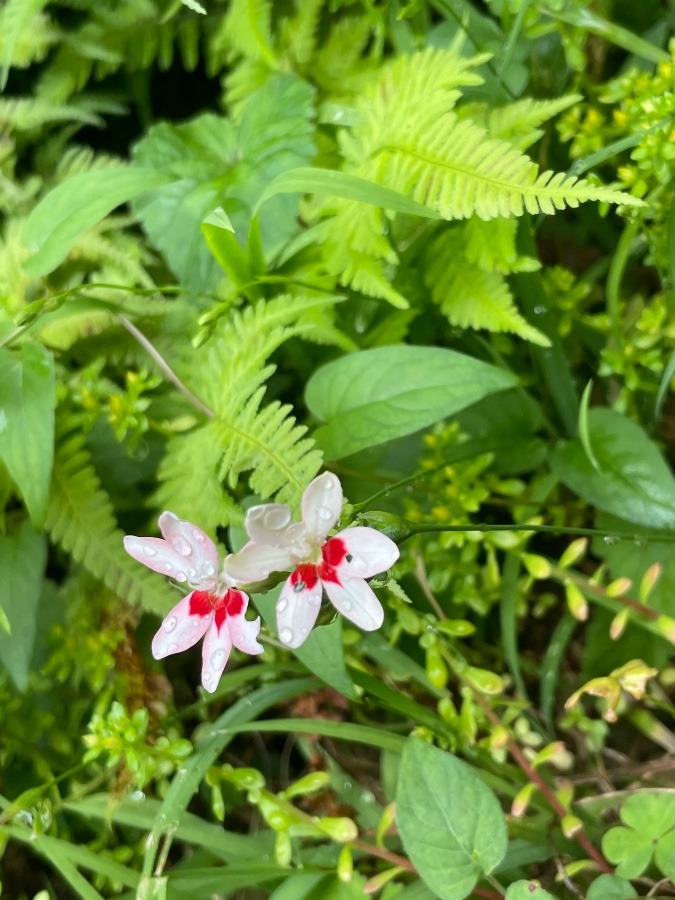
[{"x": 432, "y": 528}]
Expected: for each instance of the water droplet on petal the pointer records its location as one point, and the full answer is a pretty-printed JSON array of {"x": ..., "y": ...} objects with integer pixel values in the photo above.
[
  {"x": 299, "y": 587},
  {"x": 199, "y": 537},
  {"x": 168, "y": 567},
  {"x": 149, "y": 551},
  {"x": 206, "y": 678},
  {"x": 217, "y": 659},
  {"x": 282, "y": 606},
  {"x": 329, "y": 482},
  {"x": 208, "y": 569},
  {"x": 180, "y": 545},
  {"x": 347, "y": 604},
  {"x": 170, "y": 623},
  {"x": 314, "y": 599},
  {"x": 171, "y": 648},
  {"x": 181, "y": 576},
  {"x": 358, "y": 564},
  {"x": 325, "y": 513},
  {"x": 285, "y": 635},
  {"x": 304, "y": 630},
  {"x": 192, "y": 572}
]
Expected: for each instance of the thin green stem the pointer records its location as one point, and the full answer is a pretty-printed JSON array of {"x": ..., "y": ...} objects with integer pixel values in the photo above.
[{"x": 432, "y": 528}]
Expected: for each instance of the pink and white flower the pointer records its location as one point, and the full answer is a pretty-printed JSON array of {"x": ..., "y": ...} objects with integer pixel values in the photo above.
[
  {"x": 214, "y": 609},
  {"x": 339, "y": 564}
]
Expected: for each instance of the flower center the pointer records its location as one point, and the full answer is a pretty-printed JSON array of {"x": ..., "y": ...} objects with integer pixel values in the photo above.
[
  {"x": 203, "y": 603},
  {"x": 306, "y": 575}
]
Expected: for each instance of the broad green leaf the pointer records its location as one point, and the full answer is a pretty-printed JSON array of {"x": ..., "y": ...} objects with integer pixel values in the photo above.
[
  {"x": 373, "y": 396},
  {"x": 628, "y": 850},
  {"x": 22, "y": 563},
  {"x": 77, "y": 204},
  {"x": 451, "y": 824},
  {"x": 633, "y": 482},
  {"x": 213, "y": 161},
  {"x": 527, "y": 890},
  {"x": 649, "y": 813},
  {"x": 611, "y": 887},
  {"x": 307, "y": 180},
  {"x": 27, "y": 403}
]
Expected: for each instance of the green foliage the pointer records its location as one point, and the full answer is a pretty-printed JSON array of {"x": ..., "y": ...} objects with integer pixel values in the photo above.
[{"x": 238, "y": 237}]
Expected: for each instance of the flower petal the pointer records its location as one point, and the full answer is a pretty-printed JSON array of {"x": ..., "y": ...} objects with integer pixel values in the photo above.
[
  {"x": 322, "y": 505},
  {"x": 191, "y": 543},
  {"x": 371, "y": 552},
  {"x": 355, "y": 599},
  {"x": 254, "y": 562},
  {"x": 269, "y": 523},
  {"x": 244, "y": 632},
  {"x": 157, "y": 555},
  {"x": 180, "y": 630},
  {"x": 215, "y": 653},
  {"x": 297, "y": 612}
]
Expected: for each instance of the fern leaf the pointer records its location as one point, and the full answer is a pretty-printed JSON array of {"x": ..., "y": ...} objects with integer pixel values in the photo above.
[
  {"x": 15, "y": 19},
  {"x": 299, "y": 32},
  {"x": 520, "y": 121},
  {"x": 249, "y": 30},
  {"x": 24, "y": 113},
  {"x": 80, "y": 518},
  {"x": 470, "y": 296},
  {"x": 492, "y": 246},
  {"x": 229, "y": 374}
]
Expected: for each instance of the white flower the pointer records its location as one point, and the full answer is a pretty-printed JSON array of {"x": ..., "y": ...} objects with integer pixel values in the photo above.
[
  {"x": 214, "y": 610},
  {"x": 339, "y": 564}
]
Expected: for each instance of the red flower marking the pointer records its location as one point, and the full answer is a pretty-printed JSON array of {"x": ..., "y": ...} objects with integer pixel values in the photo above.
[
  {"x": 306, "y": 573},
  {"x": 202, "y": 603},
  {"x": 334, "y": 551}
]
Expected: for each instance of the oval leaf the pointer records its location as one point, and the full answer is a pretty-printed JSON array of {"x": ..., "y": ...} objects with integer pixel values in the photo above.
[
  {"x": 450, "y": 822},
  {"x": 373, "y": 396},
  {"x": 633, "y": 480}
]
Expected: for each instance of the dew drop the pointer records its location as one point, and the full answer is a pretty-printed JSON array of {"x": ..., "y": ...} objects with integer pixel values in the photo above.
[
  {"x": 286, "y": 635},
  {"x": 170, "y": 623},
  {"x": 172, "y": 647},
  {"x": 299, "y": 587},
  {"x": 314, "y": 600},
  {"x": 206, "y": 678},
  {"x": 208, "y": 569},
  {"x": 199, "y": 537},
  {"x": 539, "y": 310},
  {"x": 168, "y": 567},
  {"x": 282, "y": 606},
  {"x": 330, "y": 482},
  {"x": 180, "y": 545},
  {"x": 149, "y": 551},
  {"x": 217, "y": 659},
  {"x": 181, "y": 576},
  {"x": 325, "y": 513},
  {"x": 347, "y": 604},
  {"x": 192, "y": 572}
]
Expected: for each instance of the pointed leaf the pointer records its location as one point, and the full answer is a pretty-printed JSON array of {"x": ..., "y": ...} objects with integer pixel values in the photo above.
[
  {"x": 633, "y": 482},
  {"x": 450, "y": 822},
  {"x": 22, "y": 563},
  {"x": 373, "y": 396},
  {"x": 27, "y": 403}
]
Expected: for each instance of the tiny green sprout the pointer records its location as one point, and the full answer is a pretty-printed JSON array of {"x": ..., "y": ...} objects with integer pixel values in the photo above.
[
  {"x": 308, "y": 784},
  {"x": 522, "y": 800},
  {"x": 618, "y": 624},
  {"x": 576, "y": 602},
  {"x": 618, "y": 587},
  {"x": 345, "y": 864},
  {"x": 648, "y": 831},
  {"x": 574, "y": 553}
]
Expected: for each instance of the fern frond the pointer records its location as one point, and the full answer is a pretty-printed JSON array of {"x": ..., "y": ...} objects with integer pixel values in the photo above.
[
  {"x": 229, "y": 374},
  {"x": 299, "y": 33},
  {"x": 492, "y": 246},
  {"x": 470, "y": 296},
  {"x": 248, "y": 27},
  {"x": 24, "y": 113},
  {"x": 521, "y": 122},
  {"x": 25, "y": 35},
  {"x": 80, "y": 518}
]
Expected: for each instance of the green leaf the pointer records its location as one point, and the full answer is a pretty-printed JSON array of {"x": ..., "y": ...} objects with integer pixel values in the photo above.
[
  {"x": 649, "y": 813},
  {"x": 213, "y": 161},
  {"x": 628, "y": 850},
  {"x": 373, "y": 396},
  {"x": 527, "y": 890},
  {"x": 307, "y": 180},
  {"x": 633, "y": 482},
  {"x": 22, "y": 563},
  {"x": 664, "y": 854},
  {"x": 451, "y": 824},
  {"x": 611, "y": 887},
  {"x": 27, "y": 403},
  {"x": 77, "y": 204}
]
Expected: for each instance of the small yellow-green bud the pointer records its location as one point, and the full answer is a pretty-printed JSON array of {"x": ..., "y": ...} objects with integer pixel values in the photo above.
[
  {"x": 522, "y": 800},
  {"x": 571, "y": 825},
  {"x": 308, "y": 784},
  {"x": 576, "y": 602},
  {"x": 575, "y": 552},
  {"x": 619, "y": 587},
  {"x": 538, "y": 566},
  {"x": 345, "y": 864},
  {"x": 649, "y": 580},
  {"x": 618, "y": 624},
  {"x": 339, "y": 828}
]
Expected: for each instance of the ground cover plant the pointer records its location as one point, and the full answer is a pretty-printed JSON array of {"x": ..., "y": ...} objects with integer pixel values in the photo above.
[{"x": 337, "y": 342}]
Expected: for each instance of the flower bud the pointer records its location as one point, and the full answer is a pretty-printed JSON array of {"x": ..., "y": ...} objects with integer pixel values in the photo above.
[
  {"x": 339, "y": 828},
  {"x": 618, "y": 624},
  {"x": 387, "y": 819},
  {"x": 283, "y": 849},
  {"x": 618, "y": 587},
  {"x": 345, "y": 864},
  {"x": 538, "y": 566},
  {"x": 575, "y": 552},
  {"x": 571, "y": 825},
  {"x": 649, "y": 580},
  {"x": 309, "y": 784},
  {"x": 486, "y": 682},
  {"x": 576, "y": 602},
  {"x": 437, "y": 671},
  {"x": 522, "y": 800},
  {"x": 456, "y": 627}
]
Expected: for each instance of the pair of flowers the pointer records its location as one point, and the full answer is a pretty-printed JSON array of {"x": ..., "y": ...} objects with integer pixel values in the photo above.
[{"x": 215, "y": 608}]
